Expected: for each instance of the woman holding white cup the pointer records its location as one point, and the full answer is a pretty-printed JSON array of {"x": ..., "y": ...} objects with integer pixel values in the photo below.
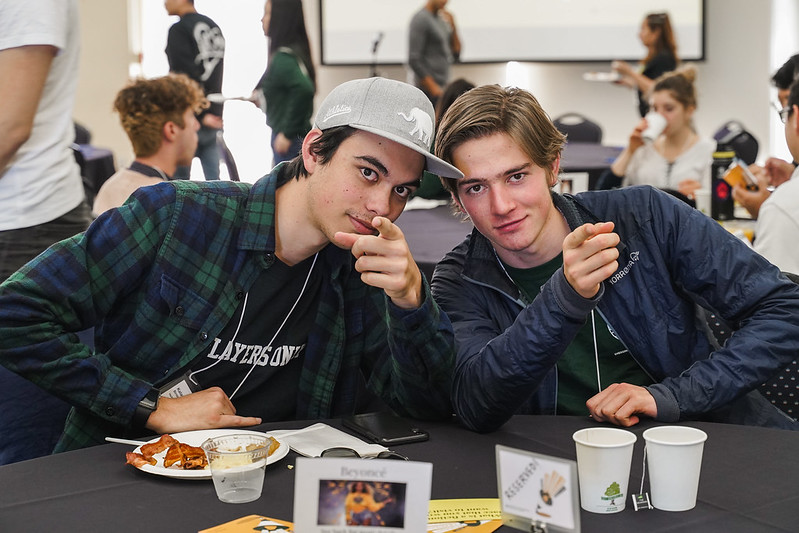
[{"x": 664, "y": 149}]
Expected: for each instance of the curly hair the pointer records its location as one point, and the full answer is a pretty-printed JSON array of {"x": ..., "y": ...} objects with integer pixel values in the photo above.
[{"x": 145, "y": 106}]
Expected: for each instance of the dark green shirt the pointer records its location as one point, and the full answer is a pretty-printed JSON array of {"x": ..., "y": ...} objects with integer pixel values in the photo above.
[
  {"x": 577, "y": 367},
  {"x": 289, "y": 94}
]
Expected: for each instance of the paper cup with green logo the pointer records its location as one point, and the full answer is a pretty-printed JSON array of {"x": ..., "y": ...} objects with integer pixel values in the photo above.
[
  {"x": 674, "y": 459},
  {"x": 603, "y": 467}
]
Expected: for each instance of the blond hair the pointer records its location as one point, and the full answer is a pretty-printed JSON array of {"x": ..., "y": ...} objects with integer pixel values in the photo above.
[{"x": 491, "y": 109}]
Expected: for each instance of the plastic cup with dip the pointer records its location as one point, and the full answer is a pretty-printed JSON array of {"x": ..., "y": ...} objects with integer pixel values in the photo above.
[
  {"x": 237, "y": 464},
  {"x": 674, "y": 460},
  {"x": 655, "y": 124},
  {"x": 603, "y": 467}
]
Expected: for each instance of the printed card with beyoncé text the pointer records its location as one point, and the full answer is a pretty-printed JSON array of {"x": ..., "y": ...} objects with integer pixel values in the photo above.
[{"x": 334, "y": 495}]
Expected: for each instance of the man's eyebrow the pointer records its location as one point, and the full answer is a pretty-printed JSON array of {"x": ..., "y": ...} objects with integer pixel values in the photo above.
[
  {"x": 508, "y": 172},
  {"x": 374, "y": 162}
]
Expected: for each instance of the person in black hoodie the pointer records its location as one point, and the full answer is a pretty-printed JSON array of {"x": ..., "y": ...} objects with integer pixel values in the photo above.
[{"x": 195, "y": 47}]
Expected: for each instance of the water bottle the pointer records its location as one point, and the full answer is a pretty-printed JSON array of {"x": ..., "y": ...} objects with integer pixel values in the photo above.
[{"x": 721, "y": 202}]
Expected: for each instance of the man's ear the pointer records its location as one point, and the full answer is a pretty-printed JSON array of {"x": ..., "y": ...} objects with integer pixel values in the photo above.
[
  {"x": 458, "y": 205},
  {"x": 170, "y": 131},
  {"x": 310, "y": 159},
  {"x": 553, "y": 179}
]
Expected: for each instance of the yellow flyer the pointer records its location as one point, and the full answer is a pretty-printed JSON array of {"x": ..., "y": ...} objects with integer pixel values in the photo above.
[
  {"x": 477, "y": 515},
  {"x": 252, "y": 523}
]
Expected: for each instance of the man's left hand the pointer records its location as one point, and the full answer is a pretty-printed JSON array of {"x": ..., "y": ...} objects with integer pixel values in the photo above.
[
  {"x": 621, "y": 403},
  {"x": 385, "y": 261},
  {"x": 212, "y": 121}
]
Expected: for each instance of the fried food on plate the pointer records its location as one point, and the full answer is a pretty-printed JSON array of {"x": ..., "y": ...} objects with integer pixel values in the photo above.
[
  {"x": 148, "y": 450},
  {"x": 138, "y": 460},
  {"x": 185, "y": 456}
]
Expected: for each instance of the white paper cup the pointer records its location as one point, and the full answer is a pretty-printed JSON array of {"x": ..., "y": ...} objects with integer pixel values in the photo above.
[
  {"x": 655, "y": 124},
  {"x": 237, "y": 465},
  {"x": 603, "y": 468},
  {"x": 674, "y": 459},
  {"x": 702, "y": 199}
]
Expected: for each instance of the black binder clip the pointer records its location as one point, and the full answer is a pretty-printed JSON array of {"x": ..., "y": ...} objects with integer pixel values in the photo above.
[
  {"x": 641, "y": 501},
  {"x": 536, "y": 526}
]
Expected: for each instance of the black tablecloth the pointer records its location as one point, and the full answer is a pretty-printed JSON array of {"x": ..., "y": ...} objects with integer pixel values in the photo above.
[
  {"x": 749, "y": 483},
  {"x": 432, "y": 233}
]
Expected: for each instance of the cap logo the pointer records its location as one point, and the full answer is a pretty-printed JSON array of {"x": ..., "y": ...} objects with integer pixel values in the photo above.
[
  {"x": 422, "y": 124},
  {"x": 336, "y": 110}
]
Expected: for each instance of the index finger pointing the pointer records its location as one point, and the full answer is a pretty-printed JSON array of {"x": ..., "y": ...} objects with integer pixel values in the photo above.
[
  {"x": 387, "y": 229},
  {"x": 585, "y": 232}
]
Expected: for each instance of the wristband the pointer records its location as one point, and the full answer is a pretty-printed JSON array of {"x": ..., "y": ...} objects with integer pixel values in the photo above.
[{"x": 146, "y": 407}]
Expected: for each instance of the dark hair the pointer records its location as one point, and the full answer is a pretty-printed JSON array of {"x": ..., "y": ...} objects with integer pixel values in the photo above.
[
  {"x": 491, "y": 109},
  {"x": 793, "y": 95},
  {"x": 666, "y": 41},
  {"x": 680, "y": 83},
  {"x": 287, "y": 29},
  {"x": 451, "y": 92},
  {"x": 324, "y": 147},
  {"x": 788, "y": 72}
]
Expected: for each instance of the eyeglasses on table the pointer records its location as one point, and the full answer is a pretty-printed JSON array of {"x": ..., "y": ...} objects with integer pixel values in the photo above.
[{"x": 349, "y": 452}]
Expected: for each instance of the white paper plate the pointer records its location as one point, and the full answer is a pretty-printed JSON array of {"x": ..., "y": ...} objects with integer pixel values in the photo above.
[
  {"x": 196, "y": 438},
  {"x": 601, "y": 76}
]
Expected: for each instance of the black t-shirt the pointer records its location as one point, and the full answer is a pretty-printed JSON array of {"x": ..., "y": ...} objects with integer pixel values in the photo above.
[
  {"x": 258, "y": 356},
  {"x": 656, "y": 67}
]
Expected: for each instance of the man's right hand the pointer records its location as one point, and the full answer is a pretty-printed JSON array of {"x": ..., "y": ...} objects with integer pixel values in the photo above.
[
  {"x": 778, "y": 171},
  {"x": 205, "y": 409},
  {"x": 589, "y": 257}
]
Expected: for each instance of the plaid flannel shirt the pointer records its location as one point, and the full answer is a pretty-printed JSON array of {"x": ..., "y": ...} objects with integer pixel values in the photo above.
[{"x": 161, "y": 276}]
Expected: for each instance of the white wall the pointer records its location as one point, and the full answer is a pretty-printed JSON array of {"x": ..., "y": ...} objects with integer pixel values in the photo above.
[{"x": 733, "y": 81}]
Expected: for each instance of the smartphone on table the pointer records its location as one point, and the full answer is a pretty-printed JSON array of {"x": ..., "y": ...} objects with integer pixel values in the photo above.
[{"x": 385, "y": 428}]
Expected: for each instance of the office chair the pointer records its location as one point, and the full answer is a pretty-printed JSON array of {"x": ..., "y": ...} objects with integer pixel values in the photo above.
[
  {"x": 782, "y": 390},
  {"x": 734, "y": 135},
  {"x": 578, "y": 128}
]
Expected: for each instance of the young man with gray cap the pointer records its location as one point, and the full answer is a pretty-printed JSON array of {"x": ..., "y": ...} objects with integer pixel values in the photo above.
[{"x": 223, "y": 304}]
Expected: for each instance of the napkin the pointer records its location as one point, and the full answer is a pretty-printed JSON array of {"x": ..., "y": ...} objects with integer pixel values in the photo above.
[{"x": 313, "y": 440}]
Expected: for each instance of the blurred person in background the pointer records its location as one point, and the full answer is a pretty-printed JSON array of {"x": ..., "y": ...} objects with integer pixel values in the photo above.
[
  {"x": 658, "y": 36},
  {"x": 286, "y": 90},
  {"x": 776, "y": 171},
  {"x": 195, "y": 47},
  {"x": 158, "y": 116},
  {"x": 433, "y": 45},
  {"x": 42, "y": 199},
  {"x": 678, "y": 159},
  {"x": 778, "y": 219}
]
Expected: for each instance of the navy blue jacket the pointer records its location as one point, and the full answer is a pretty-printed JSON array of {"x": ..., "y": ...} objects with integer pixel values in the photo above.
[{"x": 672, "y": 257}]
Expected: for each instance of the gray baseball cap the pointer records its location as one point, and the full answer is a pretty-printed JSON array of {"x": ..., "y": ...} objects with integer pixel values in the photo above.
[{"x": 389, "y": 108}]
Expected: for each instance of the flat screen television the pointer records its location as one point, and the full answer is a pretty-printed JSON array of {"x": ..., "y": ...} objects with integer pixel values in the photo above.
[{"x": 363, "y": 32}]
